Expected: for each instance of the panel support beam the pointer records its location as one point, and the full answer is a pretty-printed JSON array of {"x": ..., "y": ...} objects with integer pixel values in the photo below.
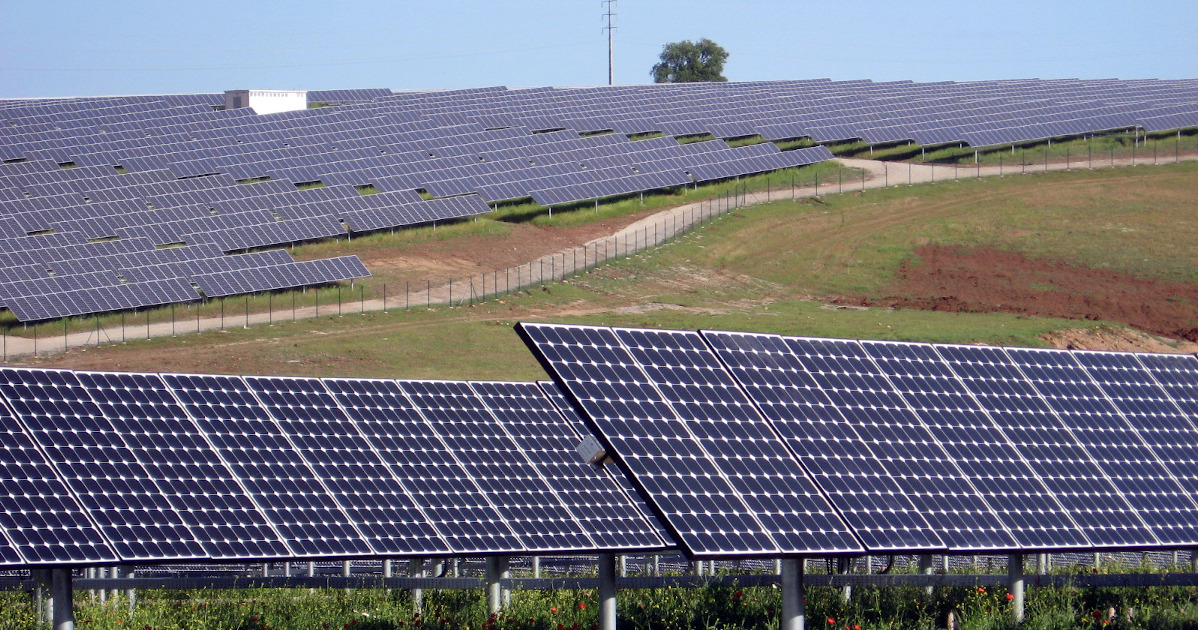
[
  {"x": 794, "y": 617},
  {"x": 497, "y": 595},
  {"x": 62, "y": 598},
  {"x": 607, "y": 591},
  {"x": 1015, "y": 585}
]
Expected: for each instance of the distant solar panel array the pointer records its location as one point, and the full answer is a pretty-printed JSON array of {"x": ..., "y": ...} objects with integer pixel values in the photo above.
[
  {"x": 93, "y": 189},
  {"x": 104, "y": 467},
  {"x": 911, "y": 446}
]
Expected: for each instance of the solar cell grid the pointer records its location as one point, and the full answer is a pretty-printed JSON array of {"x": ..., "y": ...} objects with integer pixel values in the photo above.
[
  {"x": 284, "y": 487},
  {"x": 89, "y": 454},
  {"x": 827, "y": 445},
  {"x": 543, "y": 436},
  {"x": 665, "y": 450},
  {"x": 490, "y": 457},
  {"x": 190, "y": 474},
  {"x": 1063, "y": 464},
  {"x": 1132, "y": 467},
  {"x": 737, "y": 439},
  {"x": 38, "y": 514},
  {"x": 425, "y": 466},
  {"x": 991, "y": 463},
  {"x": 348, "y": 467},
  {"x": 912, "y": 456},
  {"x": 614, "y": 471},
  {"x": 1149, "y": 408}
]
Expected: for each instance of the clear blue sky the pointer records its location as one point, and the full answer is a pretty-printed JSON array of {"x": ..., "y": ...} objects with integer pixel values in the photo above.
[{"x": 85, "y": 47}]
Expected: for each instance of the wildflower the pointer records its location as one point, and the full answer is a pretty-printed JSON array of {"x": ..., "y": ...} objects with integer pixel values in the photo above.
[
  {"x": 831, "y": 621},
  {"x": 1010, "y": 597},
  {"x": 981, "y": 590},
  {"x": 582, "y": 606},
  {"x": 856, "y": 626},
  {"x": 553, "y": 610}
]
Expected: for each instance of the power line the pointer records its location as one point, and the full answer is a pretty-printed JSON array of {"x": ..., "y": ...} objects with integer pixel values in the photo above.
[{"x": 611, "y": 31}]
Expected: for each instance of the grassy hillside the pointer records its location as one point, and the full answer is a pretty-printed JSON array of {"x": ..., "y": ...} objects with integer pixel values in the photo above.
[{"x": 770, "y": 268}]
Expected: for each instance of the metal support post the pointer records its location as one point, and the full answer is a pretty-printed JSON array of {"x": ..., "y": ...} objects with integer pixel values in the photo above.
[
  {"x": 536, "y": 567},
  {"x": 697, "y": 567},
  {"x": 623, "y": 564},
  {"x": 1015, "y": 586},
  {"x": 607, "y": 591},
  {"x": 793, "y": 615},
  {"x": 844, "y": 566},
  {"x": 925, "y": 567},
  {"x": 416, "y": 570},
  {"x": 61, "y": 596},
  {"x": 131, "y": 593},
  {"x": 1041, "y": 563},
  {"x": 494, "y": 573}
]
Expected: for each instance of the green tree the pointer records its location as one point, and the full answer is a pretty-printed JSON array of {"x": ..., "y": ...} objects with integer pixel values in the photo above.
[{"x": 687, "y": 61}]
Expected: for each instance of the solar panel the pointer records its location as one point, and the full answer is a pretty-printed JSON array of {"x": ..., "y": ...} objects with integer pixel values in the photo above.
[
  {"x": 608, "y": 517},
  {"x": 1066, "y": 469},
  {"x": 426, "y": 467},
  {"x": 1091, "y": 417},
  {"x": 613, "y": 470},
  {"x": 919, "y": 465},
  {"x": 281, "y": 483},
  {"x": 190, "y": 474},
  {"x": 964, "y": 430},
  {"x": 488, "y": 455},
  {"x": 344, "y": 461},
  {"x": 659, "y": 419},
  {"x": 1142, "y": 387},
  {"x": 39, "y": 516},
  {"x": 825, "y": 442},
  {"x": 88, "y": 453}
]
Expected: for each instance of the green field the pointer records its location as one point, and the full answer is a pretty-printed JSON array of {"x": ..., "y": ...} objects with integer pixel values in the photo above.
[
  {"x": 714, "y": 606},
  {"x": 768, "y": 268}
]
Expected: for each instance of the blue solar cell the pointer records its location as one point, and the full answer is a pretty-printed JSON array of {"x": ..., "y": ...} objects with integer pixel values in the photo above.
[
  {"x": 427, "y": 468},
  {"x": 89, "y": 454},
  {"x": 1063, "y": 464},
  {"x": 190, "y": 474},
  {"x": 825, "y": 442},
  {"x": 272, "y": 471},
  {"x": 658, "y": 415},
  {"x": 1094, "y": 421},
  {"x": 344, "y": 461},
  {"x": 40, "y": 517}
]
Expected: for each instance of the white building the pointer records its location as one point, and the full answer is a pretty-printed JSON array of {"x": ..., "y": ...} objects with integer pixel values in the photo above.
[{"x": 267, "y": 101}]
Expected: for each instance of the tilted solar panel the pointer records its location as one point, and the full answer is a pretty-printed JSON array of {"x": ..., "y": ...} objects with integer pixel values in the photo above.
[
  {"x": 656, "y": 420},
  {"x": 191, "y": 475},
  {"x": 1094, "y": 421},
  {"x": 429, "y": 470},
  {"x": 281, "y": 483},
  {"x": 90, "y": 456},
  {"x": 1064, "y": 465},
  {"x": 354, "y": 474},
  {"x": 825, "y": 442},
  {"x": 40, "y": 517}
]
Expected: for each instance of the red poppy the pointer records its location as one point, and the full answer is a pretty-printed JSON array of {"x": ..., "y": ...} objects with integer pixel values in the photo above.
[
  {"x": 1010, "y": 597},
  {"x": 582, "y": 606},
  {"x": 553, "y": 610},
  {"x": 831, "y": 621}
]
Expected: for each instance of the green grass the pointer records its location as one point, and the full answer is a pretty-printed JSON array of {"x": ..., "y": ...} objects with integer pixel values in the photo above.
[
  {"x": 1082, "y": 152},
  {"x": 752, "y": 269},
  {"x": 713, "y": 606}
]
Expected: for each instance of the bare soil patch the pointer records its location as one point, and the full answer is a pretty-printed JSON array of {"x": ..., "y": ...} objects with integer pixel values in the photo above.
[
  {"x": 467, "y": 255},
  {"x": 988, "y": 280}
]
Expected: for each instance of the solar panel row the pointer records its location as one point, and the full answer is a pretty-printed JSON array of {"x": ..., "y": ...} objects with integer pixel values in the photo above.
[
  {"x": 105, "y": 467},
  {"x": 914, "y": 446},
  {"x": 86, "y": 167}
]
